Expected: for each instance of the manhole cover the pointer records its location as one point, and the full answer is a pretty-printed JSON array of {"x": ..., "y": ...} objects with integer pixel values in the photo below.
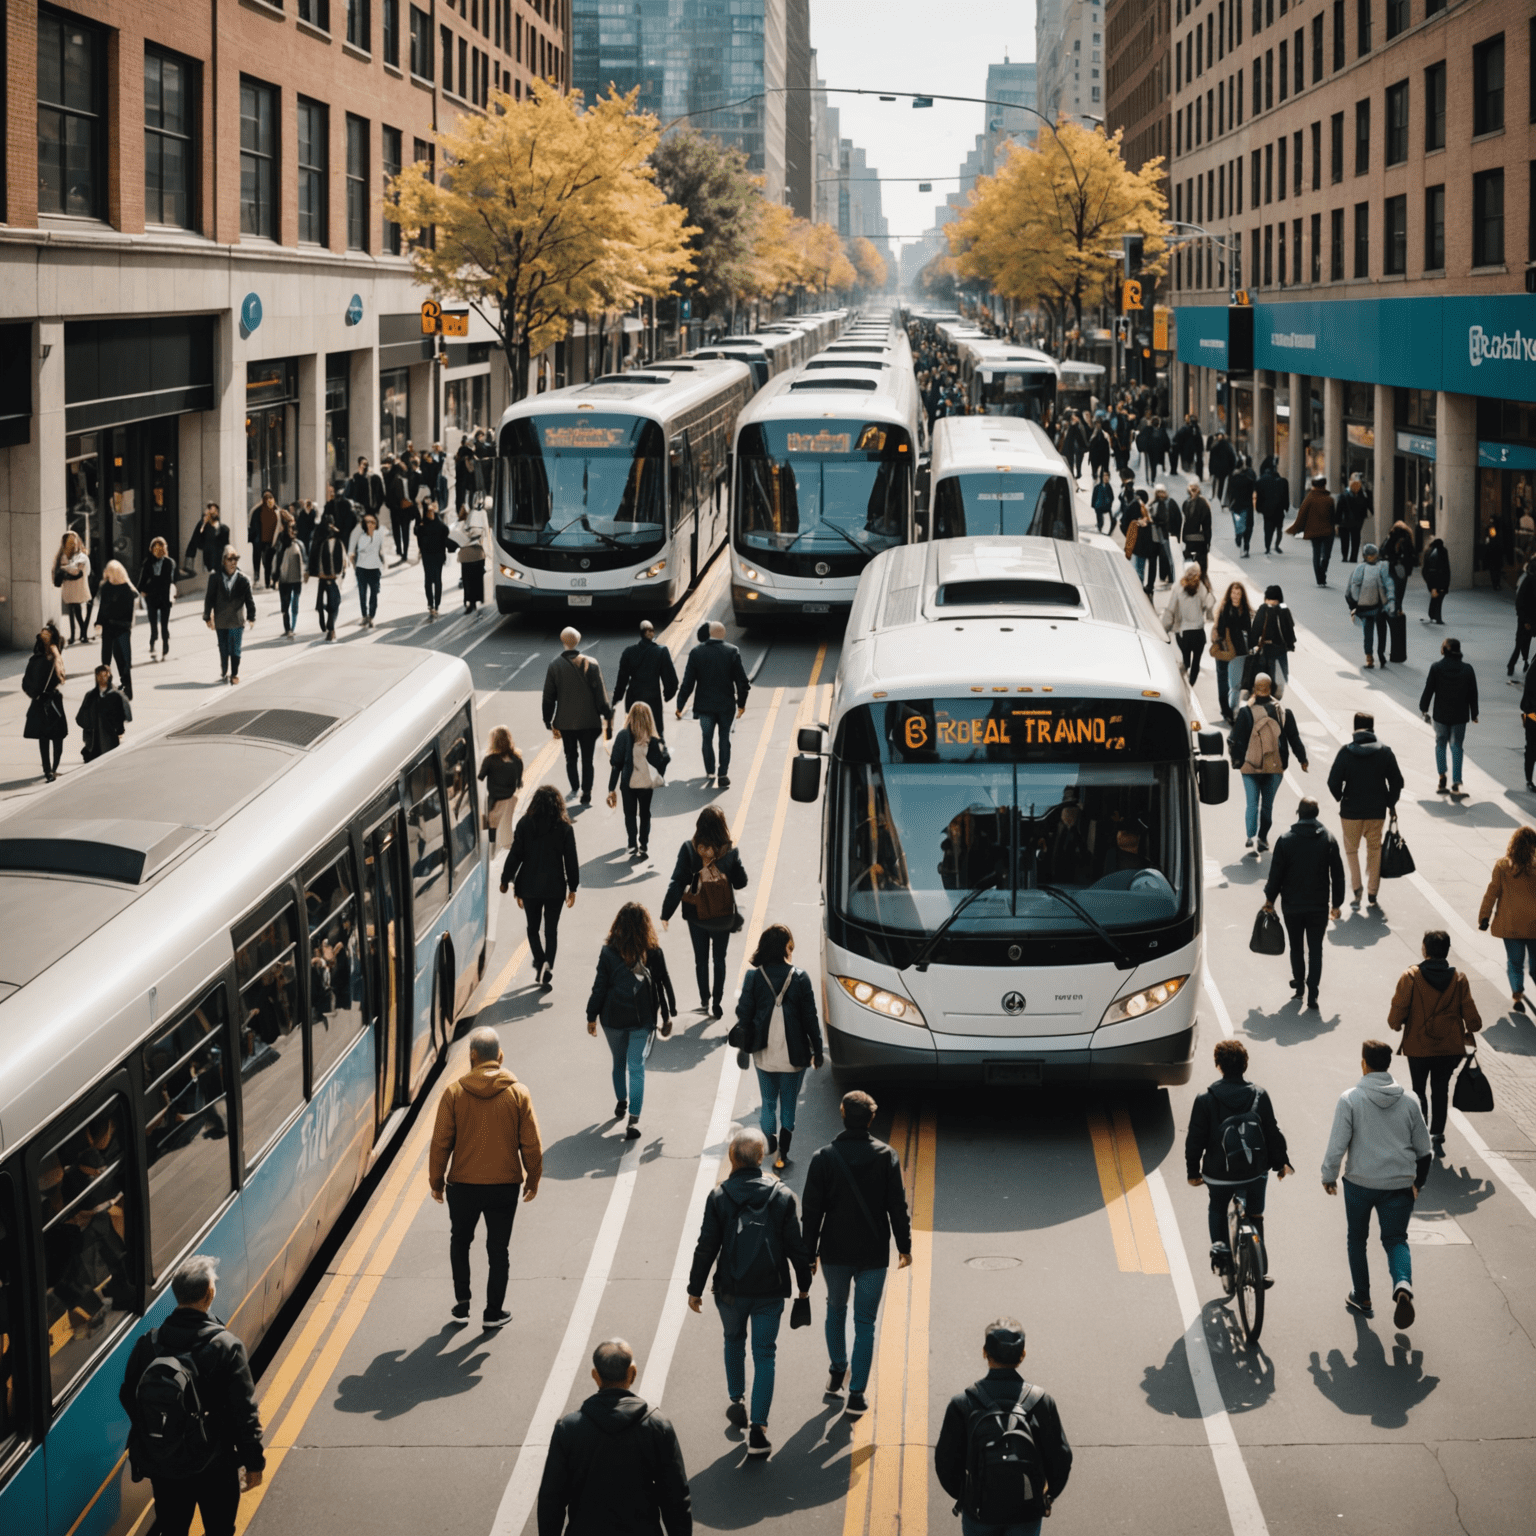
[{"x": 994, "y": 1261}]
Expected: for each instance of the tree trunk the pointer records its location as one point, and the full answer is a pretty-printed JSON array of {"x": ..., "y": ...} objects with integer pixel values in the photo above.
[{"x": 517, "y": 358}]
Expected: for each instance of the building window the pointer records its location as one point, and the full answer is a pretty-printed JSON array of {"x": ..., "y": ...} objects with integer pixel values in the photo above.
[
  {"x": 425, "y": 153},
  {"x": 316, "y": 12},
  {"x": 421, "y": 44},
  {"x": 258, "y": 159},
  {"x": 391, "y": 31},
  {"x": 1285, "y": 71},
  {"x": 1317, "y": 247},
  {"x": 1269, "y": 255},
  {"x": 1336, "y": 246},
  {"x": 1397, "y": 17},
  {"x": 1394, "y": 234},
  {"x": 359, "y": 25},
  {"x": 1362, "y": 239},
  {"x": 1488, "y": 218},
  {"x": 1362, "y": 137},
  {"x": 1296, "y": 163},
  {"x": 313, "y": 172},
  {"x": 1530, "y": 216},
  {"x": 1336, "y": 147},
  {"x": 1280, "y": 242},
  {"x": 71, "y": 103},
  {"x": 1295, "y": 250},
  {"x": 1434, "y": 228},
  {"x": 1280, "y": 178},
  {"x": 1338, "y": 35},
  {"x": 1488, "y": 85},
  {"x": 390, "y": 153},
  {"x": 1317, "y": 156},
  {"x": 1397, "y": 123},
  {"x": 168, "y": 152},
  {"x": 1434, "y": 107},
  {"x": 1256, "y": 186},
  {"x": 1362, "y": 28},
  {"x": 357, "y": 184},
  {"x": 1269, "y": 78}
]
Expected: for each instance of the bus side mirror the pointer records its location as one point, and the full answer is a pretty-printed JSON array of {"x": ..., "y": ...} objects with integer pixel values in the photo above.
[
  {"x": 805, "y": 779},
  {"x": 808, "y": 739},
  {"x": 1212, "y": 772},
  {"x": 1211, "y": 743}
]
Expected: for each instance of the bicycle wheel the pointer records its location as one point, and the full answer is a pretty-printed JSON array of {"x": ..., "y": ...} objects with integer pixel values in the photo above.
[{"x": 1250, "y": 1284}]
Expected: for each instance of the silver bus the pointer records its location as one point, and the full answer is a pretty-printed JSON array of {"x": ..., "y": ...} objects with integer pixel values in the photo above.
[
  {"x": 998, "y": 475},
  {"x": 1001, "y": 378}
]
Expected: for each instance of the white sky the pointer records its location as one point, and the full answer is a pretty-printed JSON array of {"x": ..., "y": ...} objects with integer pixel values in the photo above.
[{"x": 915, "y": 45}]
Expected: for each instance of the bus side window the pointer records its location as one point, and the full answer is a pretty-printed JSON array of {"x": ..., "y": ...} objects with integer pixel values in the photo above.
[
  {"x": 457, "y": 747},
  {"x": 428, "y": 852},
  {"x": 335, "y": 964},
  {"x": 678, "y": 479},
  {"x": 271, "y": 1039},
  {"x": 16, "y": 1332},
  {"x": 186, "y": 1127}
]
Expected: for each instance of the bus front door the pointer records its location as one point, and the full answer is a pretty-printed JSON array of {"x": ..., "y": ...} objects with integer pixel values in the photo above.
[{"x": 384, "y": 912}]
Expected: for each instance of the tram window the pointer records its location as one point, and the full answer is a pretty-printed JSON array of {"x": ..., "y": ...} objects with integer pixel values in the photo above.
[
  {"x": 15, "y": 1334},
  {"x": 335, "y": 967},
  {"x": 424, "y": 821},
  {"x": 456, "y": 745},
  {"x": 680, "y": 478},
  {"x": 186, "y": 1127},
  {"x": 82, "y": 1185},
  {"x": 271, "y": 1041}
]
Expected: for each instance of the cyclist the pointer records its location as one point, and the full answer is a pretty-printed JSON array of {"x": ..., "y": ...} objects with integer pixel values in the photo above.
[{"x": 1233, "y": 1143}]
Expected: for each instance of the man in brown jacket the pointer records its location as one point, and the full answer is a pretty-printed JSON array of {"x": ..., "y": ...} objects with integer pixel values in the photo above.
[
  {"x": 484, "y": 1145},
  {"x": 1433, "y": 1008},
  {"x": 1314, "y": 522}
]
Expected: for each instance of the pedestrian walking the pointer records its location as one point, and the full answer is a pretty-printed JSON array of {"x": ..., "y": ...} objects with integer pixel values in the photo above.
[
  {"x": 1350, "y": 511},
  {"x": 1399, "y": 553},
  {"x": 365, "y": 549},
  {"x": 1241, "y": 487},
  {"x": 637, "y": 765},
  {"x": 463, "y": 473},
  {"x": 1307, "y": 876},
  {"x": 1314, "y": 522},
  {"x": 543, "y": 872},
  {"x": 157, "y": 586},
  {"x": 1509, "y": 905},
  {"x": 401, "y": 501},
  {"x": 1128, "y": 509},
  {"x": 433, "y": 540},
  {"x": 1221, "y": 460},
  {"x": 1371, "y": 597},
  {"x": 632, "y": 998},
  {"x": 1490, "y": 551},
  {"x": 501, "y": 769},
  {"x": 776, "y": 1024},
  {"x": 1525, "y": 621},
  {"x": 229, "y": 609},
  {"x": 262, "y": 534},
  {"x": 1229, "y": 645},
  {"x": 614, "y": 1467},
  {"x": 1271, "y": 638},
  {"x": 1380, "y": 1138},
  {"x": 646, "y": 676},
  {"x": 1099, "y": 452},
  {"x": 1367, "y": 783},
  {"x": 1195, "y": 516},
  {"x": 103, "y": 717},
  {"x": 485, "y": 1153},
  {"x": 366, "y": 489},
  {"x": 1074, "y": 445},
  {"x": 855, "y": 1204},
  {"x": 1103, "y": 503},
  {"x": 470, "y": 554},
  {"x": 1165, "y": 519},
  {"x": 1002, "y": 1454},
  {"x": 576, "y": 708},
  {"x": 209, "y": 540},
  {"x": 290, "y": 563},
  {"x": 1234, "y": 1143},
  {"x": 707, "y": 873},
  {"x": 714, "y": 669},
  {"x": 1450, "y": 700},
  {"x": 43, "y": 682},
  {"x": 1141, "y": 547},
  {"x": 1190, "y": 607},
  {"x": 193, "y": 1354},
  {"x": 1433, "y": 1009},
  {"x": 1436, "y": 570},
  {"x": 1272, "y": 500},
  {"x": 1528, "y": 723},
  {"x": 71, "y": 575},
  {"x": 116, "y": 604},
  {"x": 750, "y": 1237},
  {"x": 328, "y": 564}
]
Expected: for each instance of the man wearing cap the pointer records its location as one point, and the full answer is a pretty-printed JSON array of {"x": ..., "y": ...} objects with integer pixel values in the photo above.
[
  {"x": 1314, "y": 522},
  {"x": 1014, "y": 1507}
]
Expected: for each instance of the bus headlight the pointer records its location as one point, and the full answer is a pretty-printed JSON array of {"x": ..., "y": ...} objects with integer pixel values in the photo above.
[
  {"x": 512, "y": 574},
  {"x": 1139, "y": 1003},
  {"x": 750, "y": 574},
  {"x": 877, "y": 1000},
  {"x": 652, "y": 570}
]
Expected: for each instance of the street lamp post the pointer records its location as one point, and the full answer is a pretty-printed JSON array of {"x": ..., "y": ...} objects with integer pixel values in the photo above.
[{"x": 1233, "y": 249}]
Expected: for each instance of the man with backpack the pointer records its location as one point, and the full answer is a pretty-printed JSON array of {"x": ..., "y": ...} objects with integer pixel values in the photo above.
[
  {"x": 192, "y": 1407},
  {"x": 715, "y": 670},
  {"x": 1307, "y": 875},
  {"x": 1233, "y": 1145},
  {"x": 751, "y": 1228},
  {"x": 855, "y": 1202},
  {"x": 1261, "y": 741},
  {"x": 1002, "y": 1455}
]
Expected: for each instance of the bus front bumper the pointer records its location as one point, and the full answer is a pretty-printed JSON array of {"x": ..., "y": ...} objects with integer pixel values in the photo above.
[
  {"x": 649, "y": 598},
  {"x": 755, "y": 604}
]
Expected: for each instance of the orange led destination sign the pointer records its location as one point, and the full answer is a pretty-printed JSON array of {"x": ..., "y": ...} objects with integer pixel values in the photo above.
[
  {"x": 820, "y": 442},
  {"x": 1020, "y": 727},
  {"x": 1081, "y": 730},
  {"x": 584, "y": 436}
]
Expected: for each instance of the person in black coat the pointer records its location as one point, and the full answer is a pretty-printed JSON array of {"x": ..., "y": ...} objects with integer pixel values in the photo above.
[
  {"x": 1437, "y": 577},
  {"x": 646, "y": 676},
  {"x": 209, "y": 539},
  {"x": 715, "y": 670},
  {"x": 157, "y": 585},
  {"x": 614, "y": 1466},
  {"x": 1527, "y": 720},
  {"x": 433, "y": 541},
  {"x": 776, "y": 1024},
  {"x": 637, "y": 781},
  {"x": 1350, "y": 511},
  {"x": 1450, "y": 699},
  {"x": 42, "y": 683},
  {"x": 229, "y": 608},
  {"x": 630, "y": 1005},
  {"x": 103, "y": 716},
  {"x": 1307, "y": 875},
  {"x": 1367, "y": 783},
  {"x": 366, "y": 489},
  {"x": 1241, "y": 486},
  {"x": 1272, "y": 637},
  {"x": 710, "y": 848},
  {"x": 1195, "y": 530},
  {"x": 1272, "y": 500},
  {"x": 1221, "y": 458},
  {"x": 1103, "y": 502},
  {"x": 115, "y": 605},
  {"x": 543, "y": 871},
  {"x": 1525, "y": 619},
  {"x": 1099, "y": 451}
]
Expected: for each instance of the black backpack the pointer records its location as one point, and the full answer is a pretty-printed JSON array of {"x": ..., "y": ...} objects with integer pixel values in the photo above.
[
  {"x": 1004, "y": 1470},
  {"x": 750, "y": 1260},
  {"x": 1241, "y": 1140},
  {"x": 171, "y": 1430},
  {"x": 631, "y": 998}
]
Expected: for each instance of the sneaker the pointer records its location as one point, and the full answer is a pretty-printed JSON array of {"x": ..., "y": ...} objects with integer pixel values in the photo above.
[
  {"x": 460, "y": 1313},
  {"x": 1374, "y": 903},
  {"x": 496, "y": 1319},
  {"x": 1402, "y": 1313},
  {"x": 1437, "y": 1145},
  {"x": 1518, "y": 1003},
  {"x": 836, "y": 1374},
  {"x": 1263, "y": 845},
  {"x": 546, "y": 975},
  {"x": 642, "y": 852},
  {"x": 1296, "y": 987},
  {"x": 1440, "y": 787},
  {"x": 632, "y": 1133},
  {"x": 1312, "y": 1000},
  {"x": 634, "y": 851},
  {"x": 773, "y": 1143},
  {"x": 1248, "y": 843},
  {"x": 621, "y": 1109},
  {"x": 718, "y": 1011},
  {"x": 758, "y": 1443},
  {"x": 1354, "y": 900},
  {"x": 856, "y": 1406},
  {"x": 1456, "y": 788},
  {"x": 724, "y": 782},
  {"x": 1360, "y": 1304},
  {"x": 1530, "y": 788},
  {"x": 736, "y": 1413}
]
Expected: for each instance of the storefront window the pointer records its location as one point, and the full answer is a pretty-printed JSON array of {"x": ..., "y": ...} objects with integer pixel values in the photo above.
[
  {"x": 394, "y": 409},
  {"x": 82, "y": 494},
  {"x": 465, "y": 405},
  {"x": 338, "y": 398},
  {"x": 1506, "y": 532},
  {"x": 271, "y": 429},
  {"x": 1416, "y": 408}
]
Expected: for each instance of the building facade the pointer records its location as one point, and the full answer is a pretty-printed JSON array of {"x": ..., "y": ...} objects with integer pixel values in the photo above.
[
  {"x": 1009, "y": 82},
  {"x": 1069, "y": 48},
  {"x": 200, "y": 296},
  {"x": 1365, "y": 171},
  {"x": 1138, "y": 77}
]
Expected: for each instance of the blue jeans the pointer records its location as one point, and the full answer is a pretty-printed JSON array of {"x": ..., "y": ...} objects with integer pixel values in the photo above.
[
  {"x": 630, "y": 1049},
  {"x": 1455, "y": 734},
  {"x": 868, "y": 1287},
  {"x": 709, "y": 725},
  {"x": 230, "y": 641},
  {"x": 779, "y": 1090},
  {"x": 1228, "y": 673},
  {"x": 763, "y": 1314},
  {"x": 969, "y": 1527},
  {"x": 288, "y": 604},
  {"x": 1519, "y": 954},
  {"x": 1260, "y": 790},
  {"x": 1221, "y": 1198},
  {"x": 368, "y": 591},
  {"x": 1393, "y": 1207}
]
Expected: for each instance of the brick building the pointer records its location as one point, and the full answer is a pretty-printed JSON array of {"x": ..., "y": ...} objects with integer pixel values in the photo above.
[
  {"x": 1366, "y": 169},
  {"x": 1138, "y": 77},
  {"x": 199, "y": 293}
]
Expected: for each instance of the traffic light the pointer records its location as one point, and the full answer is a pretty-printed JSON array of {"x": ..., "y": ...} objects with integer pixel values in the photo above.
[
  {"x": 1132, "y": 247},
  {"x": 1123, "y": 330}
]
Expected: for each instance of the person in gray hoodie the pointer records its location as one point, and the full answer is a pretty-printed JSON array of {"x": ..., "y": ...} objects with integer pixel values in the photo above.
[{"x": 1380, "y": 1136}]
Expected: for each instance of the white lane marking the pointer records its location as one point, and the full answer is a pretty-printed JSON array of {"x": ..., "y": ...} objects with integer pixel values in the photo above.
[
  {"x": 1217, "y": 1005},
  {"x": 1500, "y": 1167},
  {"x": 1243, "y": 1511},
  {"x": 522, "y": 1488}
]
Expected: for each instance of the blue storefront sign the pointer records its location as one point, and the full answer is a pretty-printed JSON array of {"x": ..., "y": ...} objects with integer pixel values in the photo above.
[
  {"x": 250, "y": 311},
  {"x": 1202, "y": 335},
  {"x": 354, "y": 313},
  {"x": 1505, "y": 456},
  {"x": 1415, "y": 446}
]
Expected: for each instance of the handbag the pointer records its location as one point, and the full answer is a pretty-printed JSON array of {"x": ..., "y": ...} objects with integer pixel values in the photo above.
[
  {"x": 1222, "y": 648},
  {"x": 1396, "y": 860},
  {"x": 1473, "y": 1093},
  {"x": 1268, "y": 934},
  {"x": 800, "y": 1312}
]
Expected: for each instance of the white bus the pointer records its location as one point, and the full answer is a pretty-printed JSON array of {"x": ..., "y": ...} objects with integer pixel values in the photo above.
[
  {"x": 825, "y": 467},
  {"x": 1012, "y": 865},
  {"x": 611, "y": 494},
  {"x": 998, "y": 475},
  {"x": 1001, "y": 378}
]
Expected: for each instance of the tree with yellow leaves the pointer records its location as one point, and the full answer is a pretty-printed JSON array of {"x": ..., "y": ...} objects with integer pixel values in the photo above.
[
  {"x": 1045, "y": 230},
  {"x": 545, "y": 209},
  {"x": 824, "y": 260},
  {"x": 870, "y": 265}
]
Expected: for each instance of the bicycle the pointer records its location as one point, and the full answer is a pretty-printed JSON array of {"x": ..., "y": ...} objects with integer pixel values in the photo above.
[{"x": 1242, "y": 1272}]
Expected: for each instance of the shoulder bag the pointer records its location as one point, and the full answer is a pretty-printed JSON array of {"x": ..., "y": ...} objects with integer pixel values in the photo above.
[
  {"x": 1268, "y": 934},
  {"x": 1396, "y": 860},
  {"x": 1473, "y": 1094}
]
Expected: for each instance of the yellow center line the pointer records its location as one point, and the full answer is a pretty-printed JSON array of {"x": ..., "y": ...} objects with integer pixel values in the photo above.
[{"x": 1127, "y": 1200}]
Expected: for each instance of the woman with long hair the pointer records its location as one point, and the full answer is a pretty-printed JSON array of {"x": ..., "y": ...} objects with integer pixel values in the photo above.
[
  {"x": 631, "y": 993},
  {"x": 1509, "y": 904},
  {"x": 1229, "y": 644},
  {"x": 290, "y": 564},
  {"x": 72, "y": 576},
  {"x": 544, "y": 872},
  {"x": 776, "y": 1022},
  {"x": 636, "y": 763},
  {"x": 115, "y": 607},
  {"x": 707, "y": 873},
  {"x": 502, "y": 770},
  {"x": 157, "y": 584},
  {"x": 47, "y": 723}
]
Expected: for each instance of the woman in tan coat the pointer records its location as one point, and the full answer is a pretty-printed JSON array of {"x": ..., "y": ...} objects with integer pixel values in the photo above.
[
  {"x": 1510, "y": 902},
  {"x": 72, "y": 573},
  {"x": 1433, "y": 1008}
]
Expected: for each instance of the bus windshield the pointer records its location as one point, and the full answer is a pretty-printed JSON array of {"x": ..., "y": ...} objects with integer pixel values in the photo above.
[
  {"x": 582, "y": 482},
  {"x": 987, "y": 502},
  {"x": 823, "y": 487},
  {"x": 939, "y": 798},
  {"x": 1032, "y": 395}
]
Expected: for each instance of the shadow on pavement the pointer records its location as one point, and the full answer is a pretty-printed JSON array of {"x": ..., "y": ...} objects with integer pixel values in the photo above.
[
  {"x": 586, "y": 1154},
  {"x": 396, "y": 1382},
  {"x": 1244, "y": 1373},
  {"x": 1168, "y": 1387},
  {"x": 1359, "y": 930},
  {"x": 1513, "y": 1035},
  {"x": 1291, "y": 1024},
  {"x": 1465, "y": 812},
  {"x": 1452, "y": 1191},
  {"x": 1385, "y": 1390},
  {"x": 685, "y": 1048},
  {"x": 807, "y": 1470}
]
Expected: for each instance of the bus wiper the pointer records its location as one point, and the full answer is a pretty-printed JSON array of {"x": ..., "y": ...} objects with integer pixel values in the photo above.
[
  {"x": 925, "y": 952},
  {"x": 1122, "y": 959},
  {"x": 596, "y": 534}
]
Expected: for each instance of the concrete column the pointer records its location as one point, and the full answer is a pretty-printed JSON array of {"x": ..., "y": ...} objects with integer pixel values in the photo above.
[
  {"x": 32, "y": 496},
  {"x": 1333, "y": 434},
  {"x": 309, "y": 460},
  {"x": 1383, "y": 491},
  {"x": 423, "y": 382},
  {"x": 1263, "y": 415},
  {"x": 363, "y": 407},
  {"x": 1456, "y": 514},
  {"x": 1295, "y": 468}
]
